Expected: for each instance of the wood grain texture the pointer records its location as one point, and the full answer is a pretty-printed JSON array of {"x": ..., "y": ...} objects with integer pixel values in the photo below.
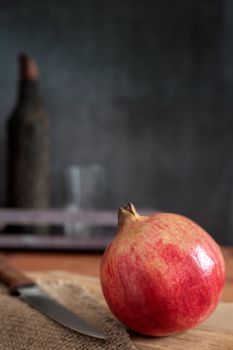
[{"x": 203, "y": 337}]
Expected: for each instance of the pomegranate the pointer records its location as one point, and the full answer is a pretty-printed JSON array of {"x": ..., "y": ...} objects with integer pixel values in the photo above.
[{"x": 162, "y": 274}]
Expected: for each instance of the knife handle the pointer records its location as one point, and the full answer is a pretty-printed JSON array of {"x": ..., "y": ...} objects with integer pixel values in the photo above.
[{"x": 13, "y": 278}]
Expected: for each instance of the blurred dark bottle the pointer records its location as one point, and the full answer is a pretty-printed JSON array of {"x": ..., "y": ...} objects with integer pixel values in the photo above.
[{"x": 28, "y": 147}]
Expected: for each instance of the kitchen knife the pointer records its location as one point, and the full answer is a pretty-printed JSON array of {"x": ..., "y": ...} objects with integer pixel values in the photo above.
[{"x": 22, "y": 286}]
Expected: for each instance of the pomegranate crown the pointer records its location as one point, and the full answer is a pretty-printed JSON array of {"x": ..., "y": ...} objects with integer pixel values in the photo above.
[{"x": 128, "y": 212}]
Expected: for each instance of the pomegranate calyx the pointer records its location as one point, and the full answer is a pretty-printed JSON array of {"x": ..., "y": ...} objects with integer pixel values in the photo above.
[{"x": 128, "y": 212}]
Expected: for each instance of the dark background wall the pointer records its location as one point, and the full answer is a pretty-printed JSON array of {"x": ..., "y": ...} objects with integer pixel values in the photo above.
[{"x": 143, "y": 87}]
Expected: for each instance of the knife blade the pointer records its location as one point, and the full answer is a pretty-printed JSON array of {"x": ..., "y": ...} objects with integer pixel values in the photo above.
[{"x": 28, "y": 291}]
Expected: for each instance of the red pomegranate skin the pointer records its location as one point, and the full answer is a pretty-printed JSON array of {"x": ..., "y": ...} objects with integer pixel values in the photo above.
[{"x": 162, "y": 274}]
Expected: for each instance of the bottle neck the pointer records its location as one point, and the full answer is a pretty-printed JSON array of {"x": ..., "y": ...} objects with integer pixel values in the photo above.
[{"x": 28, "y": 91}]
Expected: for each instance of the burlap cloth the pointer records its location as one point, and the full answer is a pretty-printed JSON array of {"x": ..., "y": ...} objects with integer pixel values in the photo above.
[{"x": 24, "y": 328}]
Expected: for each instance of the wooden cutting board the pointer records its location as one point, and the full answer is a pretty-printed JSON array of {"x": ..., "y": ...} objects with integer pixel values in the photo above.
[{"x": 216, "y": 333}]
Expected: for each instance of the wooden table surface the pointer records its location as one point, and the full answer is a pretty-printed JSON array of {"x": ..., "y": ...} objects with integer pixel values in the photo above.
[{"x": 88, "y": 264}]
